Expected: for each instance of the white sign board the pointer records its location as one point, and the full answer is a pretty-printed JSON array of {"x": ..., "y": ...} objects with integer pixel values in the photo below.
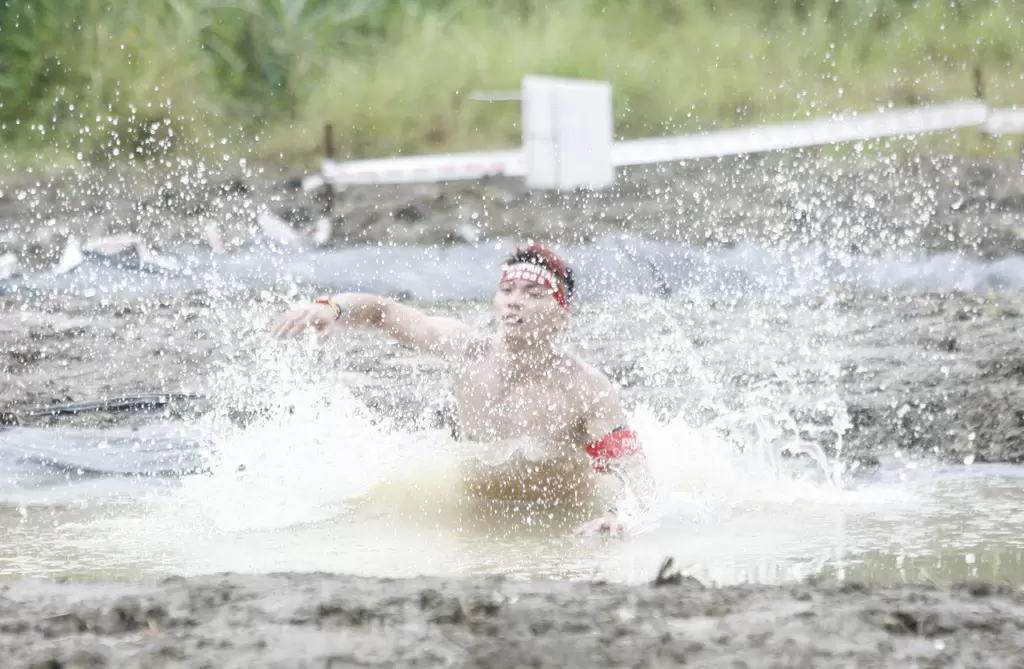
[{"x": 567, "y": 133}]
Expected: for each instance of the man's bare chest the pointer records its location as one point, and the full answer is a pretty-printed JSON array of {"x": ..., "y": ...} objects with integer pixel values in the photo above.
[{"x": 493, "y": 408}]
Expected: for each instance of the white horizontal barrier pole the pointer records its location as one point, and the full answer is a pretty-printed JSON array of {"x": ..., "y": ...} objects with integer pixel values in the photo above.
[
  {"x": 442, "y": 167},
  {"x": 799, "y": 135},
  {"x": 561, "y": 151},
  {"x": 422, "y": 169},
  {"x": 1004, "y": 122}
]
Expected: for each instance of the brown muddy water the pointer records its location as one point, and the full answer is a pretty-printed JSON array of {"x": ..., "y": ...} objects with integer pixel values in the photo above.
[{"x": 893, "y": 408}]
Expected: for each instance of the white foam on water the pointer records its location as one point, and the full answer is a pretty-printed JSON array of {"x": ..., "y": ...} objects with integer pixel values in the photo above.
[
  {"x": 325, "y": 489},
  {"x": 313, "y": 452},
  {"x": 321, "y": 474},
  {"x": 318, "y": 482},
  {"x": 294, "y": 466}
]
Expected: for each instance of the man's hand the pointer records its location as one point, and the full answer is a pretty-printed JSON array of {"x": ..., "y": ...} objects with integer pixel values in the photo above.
[
  {"x": 607, "y": 525},
  {"x": 291, "y": 324}
]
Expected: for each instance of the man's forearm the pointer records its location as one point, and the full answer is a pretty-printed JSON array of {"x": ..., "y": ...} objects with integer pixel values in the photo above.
[
  {"x": 361, "y": 309},
  {"x": 406, "y": 325},
  {"x": 354, "y": 310},
  {"x": 637, "y": 481}
]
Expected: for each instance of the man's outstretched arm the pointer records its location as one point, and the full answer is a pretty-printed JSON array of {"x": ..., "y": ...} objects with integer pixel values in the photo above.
[{"x": 443, "y": 337}]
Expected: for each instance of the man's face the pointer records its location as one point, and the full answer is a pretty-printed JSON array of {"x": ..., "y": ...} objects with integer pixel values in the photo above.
[{"x": 527, "y": 311}]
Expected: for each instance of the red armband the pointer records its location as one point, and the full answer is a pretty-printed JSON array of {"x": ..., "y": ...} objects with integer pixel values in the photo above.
[{"x": 618, "y": 443}]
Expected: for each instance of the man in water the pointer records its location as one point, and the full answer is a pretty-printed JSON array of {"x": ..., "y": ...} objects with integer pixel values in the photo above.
[{"x": 516, "y": 384}]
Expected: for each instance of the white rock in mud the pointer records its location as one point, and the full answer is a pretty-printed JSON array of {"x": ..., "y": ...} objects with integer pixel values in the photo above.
[
  {"x": 469, "y": 233},
  {"x": 313, "y": 182},
  {"x": 8, "y": 265},
  {"x": 147, "y": 257},
  {"x": 277, "y": 230},
  {"x": 214, "y": 237},
  {"x": 114, "y": 245},
  {"x": 72, "y": 256},
  {"x": 322, "y": 231}
]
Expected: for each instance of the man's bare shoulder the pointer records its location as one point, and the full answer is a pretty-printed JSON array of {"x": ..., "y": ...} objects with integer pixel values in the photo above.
[
  {"x": 591, "y": 383},
  {"x": 598, "y": 402}
]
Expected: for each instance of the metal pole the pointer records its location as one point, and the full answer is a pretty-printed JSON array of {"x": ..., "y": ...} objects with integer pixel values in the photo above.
[{"x": 329, "y": 155}]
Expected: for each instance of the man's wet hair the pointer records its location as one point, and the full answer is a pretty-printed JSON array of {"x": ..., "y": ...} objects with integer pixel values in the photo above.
[{"x": 549, "y": 260}]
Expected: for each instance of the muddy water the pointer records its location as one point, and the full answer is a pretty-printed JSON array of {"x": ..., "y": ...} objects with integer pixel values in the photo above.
[
  {"x": 336, "y": 459},
  {"x": 941, "y": 525}
]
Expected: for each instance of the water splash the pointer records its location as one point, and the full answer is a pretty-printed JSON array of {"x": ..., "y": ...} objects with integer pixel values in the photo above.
[
  {"x": 331, "y": 483},
  {"x": 316, "y": 453}
]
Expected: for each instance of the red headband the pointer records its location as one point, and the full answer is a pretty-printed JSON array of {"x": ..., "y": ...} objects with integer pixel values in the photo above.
[
  {"x": 554, "y": 262},
  {"x": 533, "y": 273}
]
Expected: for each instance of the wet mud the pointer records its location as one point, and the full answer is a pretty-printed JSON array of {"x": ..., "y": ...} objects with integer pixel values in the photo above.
[
  {"x": 319, "y": 621},
  {"x": 782, "y": 200},
  {"x": 929, "y": 375},
  {"x": 939, "y": 376}
]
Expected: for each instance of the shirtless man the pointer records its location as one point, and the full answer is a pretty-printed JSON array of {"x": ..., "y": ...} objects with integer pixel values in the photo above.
[{"x": 517, "y": 383}]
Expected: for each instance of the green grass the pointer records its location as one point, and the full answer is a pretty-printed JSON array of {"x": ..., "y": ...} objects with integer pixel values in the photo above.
[{"x": 260, "y": 78}]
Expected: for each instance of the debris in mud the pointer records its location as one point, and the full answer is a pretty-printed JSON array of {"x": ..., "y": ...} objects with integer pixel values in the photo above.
[
  {"x": 8, "y": 266},
  {"x": 278, "y": 231},
  {"x": 667, "y": 577},
  {"x": 323, "y": 230},
  {"x": 898, "y": 396},
  {"x": 777, "y": 201},
  {"x": 141, "y": 402},
  {"x": 123, "y": 251},
  {"x": 319, "y": 620},
  {"x": 72, "y": 258}
]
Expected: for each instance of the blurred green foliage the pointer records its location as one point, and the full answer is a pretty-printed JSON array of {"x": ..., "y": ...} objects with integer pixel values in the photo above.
[{"x": 129, "y": 77}]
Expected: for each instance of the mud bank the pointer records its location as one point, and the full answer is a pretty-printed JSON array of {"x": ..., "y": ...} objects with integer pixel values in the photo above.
[
  {"x": 323, "y": 621},
  {"x": 786, "y": 200},
  {"x": 932, "y": 375}
]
